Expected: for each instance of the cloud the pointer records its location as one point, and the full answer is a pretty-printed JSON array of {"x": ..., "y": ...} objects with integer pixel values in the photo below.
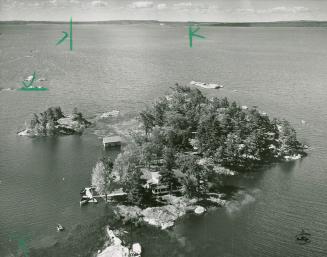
[
  {"x": 193, "y": 6},
  {"x": 99, "y": 3},
  {"x": 183, "y": 5},
  {"x": 141, "y": 4},
  {"x": 7, "y": 4},
  {"x": 53, "y": 2},
  {"x": 245, "y": 10},
  {"x": 295, "y": 9},
  {"x": 161, "y": 6},
  {"x": 278, "y": 9},
  {"x": 33, "y": 4}
]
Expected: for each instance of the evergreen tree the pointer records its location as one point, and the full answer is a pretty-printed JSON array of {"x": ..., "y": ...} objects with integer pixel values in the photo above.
[
  {"x": 77, "y": 115},
  {"x": 34, "y": 121},
  {"x": 133, "y": 185},
  {"x": 147, "y": 120}
]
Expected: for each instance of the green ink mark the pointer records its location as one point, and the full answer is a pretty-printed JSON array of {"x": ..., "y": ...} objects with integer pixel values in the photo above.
[
  {"x": 30, "y": 87},
  {"x": 62, "y": 40},
  {"x": 33, "y": 89},
  {"x": 192, "y": 33},
  {"x": 66, "y": 35},
  {"x": 71, "y": 33},
  {"x": 21, "y": 244},
  {"x": 31, "y": 81}
]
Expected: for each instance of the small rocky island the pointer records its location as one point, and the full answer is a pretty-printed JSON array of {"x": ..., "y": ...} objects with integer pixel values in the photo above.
[
  {"x": 177, "y": 159},
  {"x": 54, "y": 122}
]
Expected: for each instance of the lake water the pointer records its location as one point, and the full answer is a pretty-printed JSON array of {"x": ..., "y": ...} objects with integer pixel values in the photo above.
[{"x": 125, "y": 67}]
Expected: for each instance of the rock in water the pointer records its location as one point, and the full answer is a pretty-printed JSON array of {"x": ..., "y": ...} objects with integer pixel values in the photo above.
[
  {"x": 136, "y": 249},
  {"x": 163, "y": 217},
  {"x": 115, "y": 251},
  {"x": 199, "y": 210}
]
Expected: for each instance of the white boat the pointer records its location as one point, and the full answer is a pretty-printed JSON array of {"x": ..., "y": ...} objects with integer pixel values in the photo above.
[
  {"x": 113, "y": 113},
  {"x": 29, "y": 78},
  {"x": 206, "y": 85},
  {"x": 93, "y": 200},
  {"x": 60, "y": 227},
  {"x": 89, "y": 192},
  {"x": 136, "y": 250},
  {"x": 87, "y": 196},
  {"x": 83, "y": 201}
]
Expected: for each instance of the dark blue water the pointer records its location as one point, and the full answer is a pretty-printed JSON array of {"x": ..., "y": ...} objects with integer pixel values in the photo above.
[{"x": 282, "y": 70}]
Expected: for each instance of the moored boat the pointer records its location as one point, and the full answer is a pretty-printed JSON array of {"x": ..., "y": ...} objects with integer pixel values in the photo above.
[
  {"x": 60, "y": 227},
  {"x": 303, "y": 237},
  {"x": 206, "y": 85}
]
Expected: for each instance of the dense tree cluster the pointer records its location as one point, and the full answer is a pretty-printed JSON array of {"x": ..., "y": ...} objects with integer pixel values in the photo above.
[
  {"x": 185, "y": 128},
  {"x": 102, "y": 177},
  {"x": 46, "y": 123}
]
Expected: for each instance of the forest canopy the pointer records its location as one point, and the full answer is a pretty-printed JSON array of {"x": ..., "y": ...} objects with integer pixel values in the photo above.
[{"x": 192, "y": 141}]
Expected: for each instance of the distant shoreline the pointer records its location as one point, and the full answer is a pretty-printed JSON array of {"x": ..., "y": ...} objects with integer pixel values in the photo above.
[{"x": 214, "y": 24}]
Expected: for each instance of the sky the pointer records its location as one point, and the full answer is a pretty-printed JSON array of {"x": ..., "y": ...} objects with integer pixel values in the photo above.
[{"x": 164, "y": 10}]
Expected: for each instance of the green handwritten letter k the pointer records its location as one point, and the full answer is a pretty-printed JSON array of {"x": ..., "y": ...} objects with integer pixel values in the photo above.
[
  {"x": 66, "y": 35},
  {"x": 192, "y": 33}
]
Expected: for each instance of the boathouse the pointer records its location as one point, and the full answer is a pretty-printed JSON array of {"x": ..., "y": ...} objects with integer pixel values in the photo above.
[{"x": 111, "y": 141}]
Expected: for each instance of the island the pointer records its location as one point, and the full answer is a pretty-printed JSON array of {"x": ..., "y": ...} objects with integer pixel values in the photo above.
[
  {"x": 176, "y": 160},
  {"x": 53, "y": 122}
]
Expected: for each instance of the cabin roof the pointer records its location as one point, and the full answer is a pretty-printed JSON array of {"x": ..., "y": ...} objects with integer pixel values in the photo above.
[
  {"x": 150, "y": 176},
  {"x": 112, "y": 139}
]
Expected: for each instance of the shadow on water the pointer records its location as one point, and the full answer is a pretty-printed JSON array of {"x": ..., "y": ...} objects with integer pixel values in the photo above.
[
  {"x": 49, "y": 147},
  {"x": 287, "y": 166},
  {"x": 82, "y": 240}
]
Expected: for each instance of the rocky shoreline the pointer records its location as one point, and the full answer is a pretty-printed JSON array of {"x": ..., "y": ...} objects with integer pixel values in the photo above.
[
  {"x": 115, "y": 247},
  {"x": 162, "y": 217},
  {"x": 165, "y": 216}
]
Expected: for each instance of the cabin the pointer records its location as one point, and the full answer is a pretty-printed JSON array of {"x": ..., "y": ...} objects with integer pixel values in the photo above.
[
  {"x": 111, "y": 141},
  {"x": 154, "y": 184}
]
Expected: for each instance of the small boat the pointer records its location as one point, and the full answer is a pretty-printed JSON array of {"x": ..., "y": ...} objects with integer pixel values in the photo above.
[
  {"x": 29, "y": 78},
  {"x": 303, "y": 237},
  {"x": 93, "y": 200},
  {"x": 136, "y": 250},
  {"x": 87, "y": 195},
  {"x": 83, "y": 201},
  {"x": 206, "y": 85},
  {"x": 113, "y": 113},
  {"x": 6, "y": 89},
  {"x": 60, "y": 227}
]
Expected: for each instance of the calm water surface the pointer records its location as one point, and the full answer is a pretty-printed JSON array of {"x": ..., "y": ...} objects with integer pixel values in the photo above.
[{"x": 282, "y": 70}]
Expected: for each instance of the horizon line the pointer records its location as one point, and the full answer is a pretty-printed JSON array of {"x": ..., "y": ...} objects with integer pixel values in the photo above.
[{"x": 162, "y": 21}]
